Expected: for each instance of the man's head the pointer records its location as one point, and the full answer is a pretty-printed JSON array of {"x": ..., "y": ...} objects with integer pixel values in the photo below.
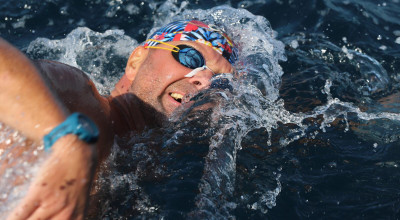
[{"x": 176, "y": 62}]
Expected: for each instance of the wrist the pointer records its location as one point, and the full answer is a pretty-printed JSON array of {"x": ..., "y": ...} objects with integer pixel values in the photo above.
[
  {"x": 71, "y": 146},
  {"x": 76, "y": 123}
]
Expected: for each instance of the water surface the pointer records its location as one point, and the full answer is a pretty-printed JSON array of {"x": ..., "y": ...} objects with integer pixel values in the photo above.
[{"x": 308, "y": 127}]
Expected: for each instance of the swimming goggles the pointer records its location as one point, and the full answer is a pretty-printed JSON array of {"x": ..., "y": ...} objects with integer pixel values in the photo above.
[{"x": 187, "y": 56}]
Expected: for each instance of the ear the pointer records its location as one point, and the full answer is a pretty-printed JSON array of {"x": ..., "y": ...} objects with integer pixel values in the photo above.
[
  {"x": 132, "y": 67},
  {"x": 134, "y": 62}
]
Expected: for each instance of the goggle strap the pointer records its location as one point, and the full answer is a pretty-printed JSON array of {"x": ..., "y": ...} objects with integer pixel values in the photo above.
[
  {"x": 210, "y": 69},
  {"x": 195, "y": 71},
  {"x": 198, "y": 69},
  {"x": 175, "y": 48},
  {"x": 163, "y": 48}
]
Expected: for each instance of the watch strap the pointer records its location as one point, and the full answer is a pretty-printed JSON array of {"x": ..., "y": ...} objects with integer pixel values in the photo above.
[{"x": 78, "y": 124}]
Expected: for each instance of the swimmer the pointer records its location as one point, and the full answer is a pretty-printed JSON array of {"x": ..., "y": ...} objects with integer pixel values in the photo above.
[{"x": 57, "y": 105}]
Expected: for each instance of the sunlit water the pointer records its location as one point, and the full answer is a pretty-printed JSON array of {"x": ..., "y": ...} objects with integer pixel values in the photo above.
[{"x": 307, "y": 127}]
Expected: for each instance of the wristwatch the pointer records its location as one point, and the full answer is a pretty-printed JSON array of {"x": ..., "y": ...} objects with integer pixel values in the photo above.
[{"x": 78, "y": 124}]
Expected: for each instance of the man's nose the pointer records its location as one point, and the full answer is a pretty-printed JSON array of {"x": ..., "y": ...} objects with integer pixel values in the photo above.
[{"x": 201, "y": 79}]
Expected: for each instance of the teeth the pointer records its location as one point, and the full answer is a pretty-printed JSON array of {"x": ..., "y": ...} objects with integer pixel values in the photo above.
[{"x": 176, "y": 96}]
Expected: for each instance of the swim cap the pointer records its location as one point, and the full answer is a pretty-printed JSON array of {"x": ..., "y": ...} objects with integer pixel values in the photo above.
[{"x": 192, "y": 30}]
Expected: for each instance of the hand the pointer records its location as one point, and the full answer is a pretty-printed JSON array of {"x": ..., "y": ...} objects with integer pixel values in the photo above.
[{"x": 60, "y": 189}]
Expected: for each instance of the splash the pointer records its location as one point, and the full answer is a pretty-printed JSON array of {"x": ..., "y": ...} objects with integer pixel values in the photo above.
[
  {"x": 102, "y": 56},
  {"x": 254, "y": 101},
  {"x": 259, "y": 75},
  {"x": 20, "y": 159},
  {"x": 118, "y": 182}
]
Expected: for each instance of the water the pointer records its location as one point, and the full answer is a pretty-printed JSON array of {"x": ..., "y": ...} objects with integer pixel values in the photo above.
[{"x": 307, "y": 128}]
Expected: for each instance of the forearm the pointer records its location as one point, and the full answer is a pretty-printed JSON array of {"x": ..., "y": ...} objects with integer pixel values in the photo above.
[
  {"x": 26, "y": 103},
  {"x": 60, "y": 188}
]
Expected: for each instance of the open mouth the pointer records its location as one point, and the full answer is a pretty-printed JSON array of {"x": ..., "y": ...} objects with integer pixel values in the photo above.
[{"x": 178, "y": 97}]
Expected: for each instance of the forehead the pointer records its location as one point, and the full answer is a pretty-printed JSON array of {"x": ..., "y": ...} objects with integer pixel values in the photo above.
[{"x": 213, "y": 59}]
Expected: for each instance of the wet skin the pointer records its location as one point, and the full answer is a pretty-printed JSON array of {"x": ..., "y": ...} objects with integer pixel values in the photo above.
[
  {"x": 152, "y": 77},
  {"x": 155, "y": 75}
]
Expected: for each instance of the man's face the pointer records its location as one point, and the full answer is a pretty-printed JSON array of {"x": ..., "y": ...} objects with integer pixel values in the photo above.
[{"x": 160, "y": 80}]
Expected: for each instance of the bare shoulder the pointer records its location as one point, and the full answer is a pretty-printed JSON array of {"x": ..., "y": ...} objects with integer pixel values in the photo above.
[
  {"x": 71, "y": 85},
  {"x": 62, "y": 77},
  {"x": 77, "y": 93}
]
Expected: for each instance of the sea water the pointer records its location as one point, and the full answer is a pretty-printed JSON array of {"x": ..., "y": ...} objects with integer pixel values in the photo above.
[{"x": 306, "y": 127}]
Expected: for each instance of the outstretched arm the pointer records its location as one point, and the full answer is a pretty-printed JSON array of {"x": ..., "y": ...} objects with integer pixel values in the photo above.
[
  {"x": 61, "y": 187},
  {"x": 26, "y": 103}
]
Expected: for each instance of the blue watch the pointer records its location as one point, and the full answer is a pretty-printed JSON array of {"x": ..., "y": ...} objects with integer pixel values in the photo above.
[{"x": 77, "y": 124}]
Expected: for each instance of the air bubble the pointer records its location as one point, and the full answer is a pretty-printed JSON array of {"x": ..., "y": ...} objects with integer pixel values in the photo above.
[{"x": 383, "y": 47}]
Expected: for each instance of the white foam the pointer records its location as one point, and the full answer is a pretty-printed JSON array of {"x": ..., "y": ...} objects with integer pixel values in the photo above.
[
  {"x": 132, "y": 9},
  {"x": 16, "y": 178},
  {"x": 20, "y": 22},
  {"x": 294, "y": 44},
  {"x": 89, "y": 51},
  {"x": 345, "y": 50}
]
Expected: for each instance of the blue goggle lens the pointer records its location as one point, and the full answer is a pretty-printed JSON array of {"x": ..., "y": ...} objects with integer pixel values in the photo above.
[{"x": 188, "y": 56}]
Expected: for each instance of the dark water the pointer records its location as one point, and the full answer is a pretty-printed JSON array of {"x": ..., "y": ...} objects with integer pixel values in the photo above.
[{"x": 320, "y": 141}]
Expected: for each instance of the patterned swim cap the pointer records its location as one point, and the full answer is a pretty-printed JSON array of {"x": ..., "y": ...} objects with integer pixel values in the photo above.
[{"x": 192, "y": 30}]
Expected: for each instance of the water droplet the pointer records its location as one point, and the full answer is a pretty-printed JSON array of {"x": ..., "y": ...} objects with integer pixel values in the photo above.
[
  {"x": 332, "y": 164},
  {"x": 294, "y": 44}
]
